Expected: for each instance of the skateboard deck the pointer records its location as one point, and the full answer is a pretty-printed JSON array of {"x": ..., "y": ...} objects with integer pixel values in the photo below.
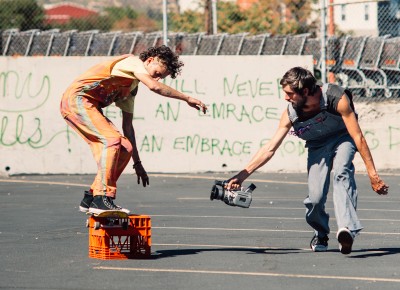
[
  {"x": 109, "y": 214},
  {"x": 109, "y": 219}
]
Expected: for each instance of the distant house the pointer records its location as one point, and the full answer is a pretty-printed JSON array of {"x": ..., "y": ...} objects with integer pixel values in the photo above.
[
  {"x": 63, "y": 12},
  {"x": 368, "y": 17},
  {"x": 246, "y": 4}
]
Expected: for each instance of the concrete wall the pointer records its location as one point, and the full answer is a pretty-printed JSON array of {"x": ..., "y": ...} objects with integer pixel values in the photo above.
[{"x": 245, "y": 104}]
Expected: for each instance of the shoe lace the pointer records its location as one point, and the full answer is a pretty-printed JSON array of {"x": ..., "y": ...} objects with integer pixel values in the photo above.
[
  {"x": 318, "y": 241},
  {"x": 110, "y": 204}
]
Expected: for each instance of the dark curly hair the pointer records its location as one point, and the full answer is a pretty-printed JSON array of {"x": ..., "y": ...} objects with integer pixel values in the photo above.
[{"x": 167, "y": 58}]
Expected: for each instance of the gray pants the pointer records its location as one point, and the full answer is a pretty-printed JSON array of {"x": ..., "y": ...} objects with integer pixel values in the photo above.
[{"x": 336, "y": 154}]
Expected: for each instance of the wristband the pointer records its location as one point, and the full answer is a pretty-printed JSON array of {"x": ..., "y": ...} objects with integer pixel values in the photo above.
[{"x": 136, "y": 164}]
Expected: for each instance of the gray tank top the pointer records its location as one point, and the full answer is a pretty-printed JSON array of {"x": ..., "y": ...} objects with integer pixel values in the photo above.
[{"x": 316, "y": 129}]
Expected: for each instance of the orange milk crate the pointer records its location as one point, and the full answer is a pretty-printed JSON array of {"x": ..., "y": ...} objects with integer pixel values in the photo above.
[{"x": 119, "y": 238}]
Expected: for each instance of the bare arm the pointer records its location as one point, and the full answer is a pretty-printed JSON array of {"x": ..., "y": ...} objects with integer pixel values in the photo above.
[
  {"x": 166, "y": 91},
  {"x": 264, "y": 154},
  {"x": 351, "y": 122},
  {"x": 129, "y": 132}
]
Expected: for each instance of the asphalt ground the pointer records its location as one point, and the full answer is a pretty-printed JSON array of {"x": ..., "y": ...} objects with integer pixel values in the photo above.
[{"x": 196, "y": 243}]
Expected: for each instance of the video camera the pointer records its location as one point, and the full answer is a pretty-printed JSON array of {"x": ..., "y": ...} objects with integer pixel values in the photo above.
[{"x": 241, "y": 198}]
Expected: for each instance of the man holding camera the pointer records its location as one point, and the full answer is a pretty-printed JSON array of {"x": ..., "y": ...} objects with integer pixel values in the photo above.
[{"x": 325, "y": 118}]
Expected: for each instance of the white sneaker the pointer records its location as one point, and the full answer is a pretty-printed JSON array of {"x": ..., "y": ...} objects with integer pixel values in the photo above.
[{"x": 345, "y": 238}]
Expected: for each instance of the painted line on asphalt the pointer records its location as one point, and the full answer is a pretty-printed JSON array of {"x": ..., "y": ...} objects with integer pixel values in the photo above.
[
  {"x": 223, "y": 178},
  {"x": 177, "y": 176},
  {"x": 224, "y": 246},
  {"x": 255, "y": 217},
  {"x": 272, "y": 198},
  {"x": 247, "y": 247},
  {"x": 161, "y": 175},
  {"x": 44, "y": 182},
  {"x": 272, "y": 207},
  {"x": 261, "y": 274},
  {"x": 328, "y": 208},
  {"x": 259, "y": 230}
]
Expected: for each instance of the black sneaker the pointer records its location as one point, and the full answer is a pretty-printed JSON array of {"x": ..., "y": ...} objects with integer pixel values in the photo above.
[
  {"x": 102, "y": 203},
  {"x": 86, "y": 201},
  {"x": 345, "y": 238},
  {"x": 318, "y": 244}
]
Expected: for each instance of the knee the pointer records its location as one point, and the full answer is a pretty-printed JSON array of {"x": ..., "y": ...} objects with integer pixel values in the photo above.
[
  {"x": 127, "y": 146},
  {"x": 311, "y": 202},
  {"x": 341, "y": 174},
  {"x": 315, "y": 195},
  {"x": 122, "y": 144},
  {"x": 114, "y": 141}
]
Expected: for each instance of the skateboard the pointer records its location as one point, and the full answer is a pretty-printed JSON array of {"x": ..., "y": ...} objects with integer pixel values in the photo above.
[{"x": 109, "y": 219}]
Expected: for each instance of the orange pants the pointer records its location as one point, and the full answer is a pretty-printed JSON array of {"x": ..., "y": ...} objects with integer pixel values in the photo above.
[{"x": 110, "y": 149}]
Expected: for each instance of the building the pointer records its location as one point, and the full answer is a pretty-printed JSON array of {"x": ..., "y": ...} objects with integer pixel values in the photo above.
[
  {"x": 245, "y": 4},
  {"x": 63, "y": 12},
  {"x": 367, "y": 17}
]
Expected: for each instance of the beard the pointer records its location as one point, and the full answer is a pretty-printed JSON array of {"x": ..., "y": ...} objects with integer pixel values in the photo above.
[{"x": 299, "y": 105}]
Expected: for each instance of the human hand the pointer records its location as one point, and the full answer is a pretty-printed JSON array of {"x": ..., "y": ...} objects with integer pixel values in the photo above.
[
  {"x": 141, "y": 174},
  {"x": 378, "y": 185},
  {"x": 233, "y": 183},
  {"x": 197, "y": 104}
]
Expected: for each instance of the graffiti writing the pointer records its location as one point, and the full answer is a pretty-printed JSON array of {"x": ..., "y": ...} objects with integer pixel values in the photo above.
[
  {"x": 167, "y": 113},
  {"x": 23, "y": 134},
  {"x": 13, "y": 86},
  {"x": 240, "y": 113},
  {"x": 392, "y": 139},
  {"x": 373, "y": 142},
  {"x": 288, "y": 147},
  {"x": 185, "y": 86},
  {"x": 247, "y": 88},
  {"x": 198, "y": 144},
  {"x": 151, "y": 144}
]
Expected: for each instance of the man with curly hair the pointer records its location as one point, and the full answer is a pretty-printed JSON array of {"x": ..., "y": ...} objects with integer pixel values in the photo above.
[{"x": 116, "y": 81}]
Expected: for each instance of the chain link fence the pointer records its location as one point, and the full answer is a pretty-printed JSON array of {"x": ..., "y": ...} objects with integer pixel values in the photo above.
[{"x": 362, "y": 47}]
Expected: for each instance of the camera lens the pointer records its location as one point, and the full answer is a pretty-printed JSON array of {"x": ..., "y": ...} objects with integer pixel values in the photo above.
[{"x": 216, "y": 193}]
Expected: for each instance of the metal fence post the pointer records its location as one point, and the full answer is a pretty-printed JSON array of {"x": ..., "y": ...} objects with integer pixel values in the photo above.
[
  {"x": 165, "y": 23},
  {"x": 214, "y": 16},
  {"x": 323, "y": 40}
]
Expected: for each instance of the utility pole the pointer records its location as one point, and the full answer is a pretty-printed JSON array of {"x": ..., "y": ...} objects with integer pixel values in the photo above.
[
  {"x": 214, "y": 17},
  {"x": 331, "y": 25},
  {"x": 323, "y": 39},
  {"x": 165, "y": 23},
  {"x": 331, "y": 32},
  {"x": 208, "y": 16}
]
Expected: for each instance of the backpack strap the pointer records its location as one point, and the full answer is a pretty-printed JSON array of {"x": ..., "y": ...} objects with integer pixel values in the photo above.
[{"x": 324, "y": 100}]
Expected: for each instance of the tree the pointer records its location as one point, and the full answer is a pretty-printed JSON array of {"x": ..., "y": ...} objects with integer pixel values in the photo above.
[
  {"x": 88, "y": 23},
  {"x": 122, "y": 18},
  {"x": 265, "y": 16},
  {"x": 21, "y": 14},
  {"x": 298, "y": 14},
  {"x": 190, "y": 21}
]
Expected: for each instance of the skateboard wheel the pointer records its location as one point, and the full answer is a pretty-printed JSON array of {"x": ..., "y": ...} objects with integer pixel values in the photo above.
[{"x": 96, "y": 225}]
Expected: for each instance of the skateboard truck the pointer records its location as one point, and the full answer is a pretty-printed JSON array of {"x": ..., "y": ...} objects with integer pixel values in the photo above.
[{"x": 109, "y": 219}]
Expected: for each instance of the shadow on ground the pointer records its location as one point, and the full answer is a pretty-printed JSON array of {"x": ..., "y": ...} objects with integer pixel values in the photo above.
[{"x": 182, "y": 252}]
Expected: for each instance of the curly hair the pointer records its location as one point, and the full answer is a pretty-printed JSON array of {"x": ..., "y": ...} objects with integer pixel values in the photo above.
[{"x": 167, "y": 58}]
